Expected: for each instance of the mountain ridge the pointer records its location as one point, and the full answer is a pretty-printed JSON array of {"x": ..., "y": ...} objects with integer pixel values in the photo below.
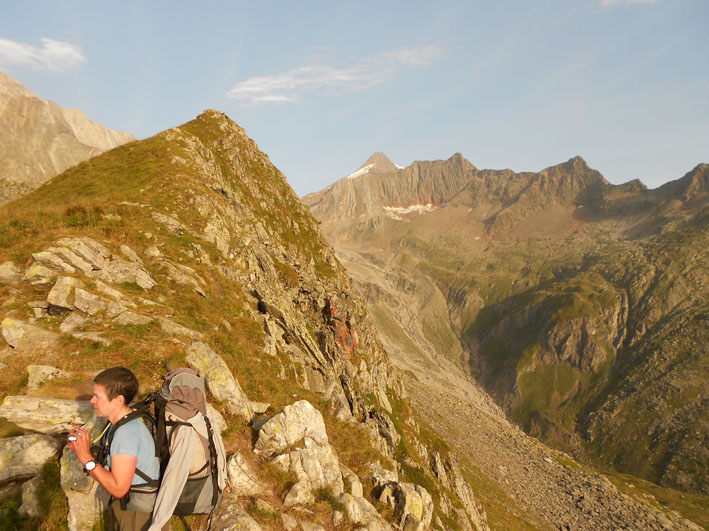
[{"x": 557, "y": 286}]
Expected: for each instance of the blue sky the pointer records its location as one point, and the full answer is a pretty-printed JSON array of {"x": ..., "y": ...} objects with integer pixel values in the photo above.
[{"x": 320, "y": 86}]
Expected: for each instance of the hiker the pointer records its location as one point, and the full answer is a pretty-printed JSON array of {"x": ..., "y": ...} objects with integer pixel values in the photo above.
[{"x": 132, "y": 469}]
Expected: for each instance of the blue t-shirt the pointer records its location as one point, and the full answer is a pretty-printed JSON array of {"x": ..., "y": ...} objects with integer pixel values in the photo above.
[{"x": 133, "y": 438}]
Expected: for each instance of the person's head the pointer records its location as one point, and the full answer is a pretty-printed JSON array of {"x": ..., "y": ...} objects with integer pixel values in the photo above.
[{"x": 117, "y": 385}]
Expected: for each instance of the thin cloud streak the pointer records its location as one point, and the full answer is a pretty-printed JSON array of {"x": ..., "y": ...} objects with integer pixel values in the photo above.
[
  {"x": 55, "y": 56},
  {"x": 288, "y": 86}
]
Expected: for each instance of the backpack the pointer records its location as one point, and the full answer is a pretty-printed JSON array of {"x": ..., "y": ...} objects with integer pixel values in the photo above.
[{"x": 179, "y": 405}]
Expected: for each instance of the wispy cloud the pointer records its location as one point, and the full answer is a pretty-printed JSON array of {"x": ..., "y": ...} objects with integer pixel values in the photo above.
[
  {"x": 289, "y": 86},
  {"x": 616, "y": 2},
  {"x": 53, "y": 55}
]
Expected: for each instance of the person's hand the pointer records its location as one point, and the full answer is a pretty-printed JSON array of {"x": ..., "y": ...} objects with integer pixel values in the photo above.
[{"x": 82, "y": 445}]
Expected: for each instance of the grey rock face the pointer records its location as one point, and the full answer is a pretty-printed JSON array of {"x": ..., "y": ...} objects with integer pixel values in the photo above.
[
  {"x": 87, "y": 302},
  {"x": 362, "y": 513},
  {"x": 30, "y": 502},
  {"x": 46, "y": 415},
  {"x": 87, "y": 499},
  {"x": 132, "y": 318},
  {"x": 38, "y": 374},
  {"x": 353, "y": 481},
  {"x": 408, "y": 501},
  {"x": 26, "y": 337},
  {"x": 172, "y": 224},
  {"x": 219, "y": 379},
  {"x": 24, "y": 456},
  {"x": 171, "y": 327},
  {"x": 317, "y": 467},
  {"x": 60, "y": 294},
  {"x": 293, "y": 424},
  {"x": 242, "y": 480},
  {"x": 230, "y": 515}
]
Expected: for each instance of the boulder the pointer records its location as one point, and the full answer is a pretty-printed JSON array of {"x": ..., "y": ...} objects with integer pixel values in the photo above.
[
  {"x": 352, "y": 480},
  {"x": 38, "y": 374},
  {"x": 220, "y": 382},
  {"x": 60, "y": 294},
  {"x": 46, "y": 415},
  {"x": 53, "y": 262},
  {"x": 153, "y": 252},
  {"x": 171, "y": 327},
  {"x": 290, "y": 426},
  {"x": 217, "y": 417},
  {"x": 317, "y": 467},
  {"x": 131, "y": 255},
  {"x": 172, "y": 224},
  {"x": 242, "y": 480},
  {"x": 229, "y": 515},
  {"x": 87, "y": 302},
  {"x": 30, "y": 502},
  {"x": 132, "y": 318},
  {"x": 299, "y": 494},
  {"x": 39, "y": 274},
  {"x": 87, "y": 499},
  {"x": 362, "y": 513},
  {"x": 289, "y": 522},
  {"x": 382, "y": 432},
  {"x": 71, "y": 323},
  {"x": 408, "y": 500},
  {"x": 88, "y": 250},
  {"x": 24, "y": 456},
  {"x": 26, "y": 337},
  {"x": 9, "y": 273},
  {"x": 184, "y": 275},
  {"x": 381, "y": 476},
  {"x": 259, "y": 407},
  {"x": 120, "y": 271},
  {"x": 71, "y": 258}
]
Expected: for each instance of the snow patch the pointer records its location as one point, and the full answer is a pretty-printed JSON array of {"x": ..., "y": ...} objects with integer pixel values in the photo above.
[
  {"x": 397, "y": 212},
  {"x": 360, "y": 172}
]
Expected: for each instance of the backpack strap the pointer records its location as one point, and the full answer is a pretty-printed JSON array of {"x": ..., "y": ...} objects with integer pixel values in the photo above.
[
  {"x": 141, "y": 411},
  {"x": 213, "y": 463}
]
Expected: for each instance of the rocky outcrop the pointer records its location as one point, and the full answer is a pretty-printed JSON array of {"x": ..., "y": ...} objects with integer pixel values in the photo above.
[
  {"x": 293, "y": 424},
  {"x": 24, "y": 456},
  {"x": 242, "y": 480},
  {"x": 38, "y": 374},
  {"x": 27, "y": 337},
  {"x": 220, "y": 381},
  {"x": 46, "y": 415},
  {"x": 86, "y": 498}
]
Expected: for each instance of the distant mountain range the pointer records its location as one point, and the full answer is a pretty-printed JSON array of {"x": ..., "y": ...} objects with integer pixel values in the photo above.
[
  {"x": 581, "y": 306},
  {"x": 39, "y": 139}
]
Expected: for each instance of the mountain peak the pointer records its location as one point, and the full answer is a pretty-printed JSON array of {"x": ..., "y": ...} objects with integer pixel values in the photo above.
[{"x": 378, "y": 163}]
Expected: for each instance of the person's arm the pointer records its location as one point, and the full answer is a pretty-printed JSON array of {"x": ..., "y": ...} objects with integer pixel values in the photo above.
[
  {"x": 175, "y": 477},
  {"x": 116, "y": 481}
]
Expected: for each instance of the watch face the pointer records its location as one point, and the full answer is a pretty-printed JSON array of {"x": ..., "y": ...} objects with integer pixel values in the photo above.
[{"x": 90, "y": 465}]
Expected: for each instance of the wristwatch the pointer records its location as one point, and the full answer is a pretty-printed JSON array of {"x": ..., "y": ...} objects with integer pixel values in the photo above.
[{"x": 89, "y": 466}]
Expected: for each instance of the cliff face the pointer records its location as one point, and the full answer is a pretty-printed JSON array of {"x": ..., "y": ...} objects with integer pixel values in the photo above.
[
  {"x": 579, "y": 305},
  {"x": 39, "y": 139}
]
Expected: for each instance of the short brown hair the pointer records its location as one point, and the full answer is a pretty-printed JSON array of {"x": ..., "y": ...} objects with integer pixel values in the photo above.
[{"x": 118, "y": 381}]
